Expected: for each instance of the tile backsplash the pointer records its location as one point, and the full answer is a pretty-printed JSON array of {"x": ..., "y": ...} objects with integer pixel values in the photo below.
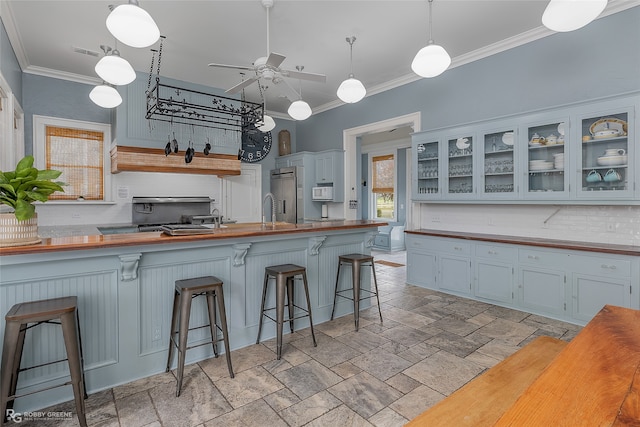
[{"x": 600, "y": 224}]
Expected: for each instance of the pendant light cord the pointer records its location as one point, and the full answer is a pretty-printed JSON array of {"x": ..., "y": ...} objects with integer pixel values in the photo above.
[
  {"x": 430, "y": 22},
  {"x": 350, "y": 40}
]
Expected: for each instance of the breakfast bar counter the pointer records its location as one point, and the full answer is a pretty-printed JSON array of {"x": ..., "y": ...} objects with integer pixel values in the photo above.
[{"x": 125, "y": 284}]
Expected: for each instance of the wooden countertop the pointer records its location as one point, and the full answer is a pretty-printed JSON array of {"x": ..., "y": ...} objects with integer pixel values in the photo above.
[
  {"x": 594, "y": 381},
  {"x": 241, "y": 230},
  {"x": 533, "y": 241}
]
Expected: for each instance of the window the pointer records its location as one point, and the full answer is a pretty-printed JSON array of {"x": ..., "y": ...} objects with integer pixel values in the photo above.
[
  {"x": 383, "y": 186},
  {"x": 80, "y": 151}
]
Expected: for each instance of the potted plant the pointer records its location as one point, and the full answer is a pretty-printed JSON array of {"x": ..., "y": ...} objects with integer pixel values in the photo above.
[{"x": 19, "y": 190}]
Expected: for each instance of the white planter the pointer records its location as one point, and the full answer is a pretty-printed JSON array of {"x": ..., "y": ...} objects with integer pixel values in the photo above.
[{"x": 18, "y": 233}]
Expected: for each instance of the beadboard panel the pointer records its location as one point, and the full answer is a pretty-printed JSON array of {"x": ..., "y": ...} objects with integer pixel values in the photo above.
[
  {"x": 156, "y": 291},
  {"x": 98, "y": 311}
]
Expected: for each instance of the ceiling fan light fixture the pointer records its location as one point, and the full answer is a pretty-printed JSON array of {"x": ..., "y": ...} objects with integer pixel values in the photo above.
[
  {"x": 266, "y": 124},
  {"x": 351, "y": 90},
  {"x": 105, "y": 96},
  {"x": 133, "y": 25},
  {"x": 299, "y": 110},
  {"x": 431, "y": 61},
  {"x": 570, "y": 15},
  {"x": 115, "y": 69}
]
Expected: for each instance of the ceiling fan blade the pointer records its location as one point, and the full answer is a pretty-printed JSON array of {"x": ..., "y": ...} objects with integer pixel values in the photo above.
[
  {"x": 274, "y": 60},
  {"x": 235, "y": 67},
  {"x": 321, "y": 78},
  {"x": 237, "y": 88}
]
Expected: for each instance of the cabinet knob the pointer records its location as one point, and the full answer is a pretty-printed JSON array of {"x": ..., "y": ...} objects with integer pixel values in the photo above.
[
  {"x": 492, "y": 252},
  {"x": 457, "y": 248},
  {"x": 533, "y": 257}
]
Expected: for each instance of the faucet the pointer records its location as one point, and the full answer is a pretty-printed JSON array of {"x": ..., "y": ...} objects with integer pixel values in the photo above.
[
  {"x": 273, "y": 209},
  {"x": 216, "y": 219}
]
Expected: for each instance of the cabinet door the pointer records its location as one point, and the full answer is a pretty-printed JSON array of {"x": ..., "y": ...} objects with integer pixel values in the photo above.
[
  {"x": 455, "y": 274},
  {"x": 426, "y": 169},
  {"x": 421, "y": 269},
  {"x": 324, "y": 169},
  {"x": 605, "y": 166},
  {"x": 460, "y": 183},
  {"x": 499, "y": 163},
  {"x": 546, "y": 159},
  {"x": 494, "y": 281},
  {"x": 591, "y": 293},
  {"x": 542, "y": 290}
]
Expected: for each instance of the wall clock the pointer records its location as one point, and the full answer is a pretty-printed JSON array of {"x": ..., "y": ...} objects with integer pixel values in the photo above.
[{"x": 255, "y": 145}]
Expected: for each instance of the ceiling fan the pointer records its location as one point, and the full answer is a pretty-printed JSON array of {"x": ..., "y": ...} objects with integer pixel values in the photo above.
[{"x": 268, "y": 67}]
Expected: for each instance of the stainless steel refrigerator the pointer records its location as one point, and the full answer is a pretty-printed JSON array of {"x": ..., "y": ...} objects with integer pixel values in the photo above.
[{"x": 287, "y": 187}]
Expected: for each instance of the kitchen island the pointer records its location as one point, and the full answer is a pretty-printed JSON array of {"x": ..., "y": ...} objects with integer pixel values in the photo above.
[{"x": 125, "y": 282}]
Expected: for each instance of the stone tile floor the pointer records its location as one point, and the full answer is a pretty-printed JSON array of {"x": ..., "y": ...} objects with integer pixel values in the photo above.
[{"x": 429, "y": 345}]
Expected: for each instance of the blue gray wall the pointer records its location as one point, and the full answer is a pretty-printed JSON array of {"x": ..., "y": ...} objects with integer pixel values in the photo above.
[{"x": 556, "y": 70}]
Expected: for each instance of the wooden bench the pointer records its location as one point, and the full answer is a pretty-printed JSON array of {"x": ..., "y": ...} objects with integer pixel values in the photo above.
[{"x": 484, "y": 400}]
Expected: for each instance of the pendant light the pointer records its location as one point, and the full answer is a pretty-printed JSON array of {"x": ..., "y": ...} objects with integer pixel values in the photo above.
[
  {"x": 432, "y": 60},
  {"x": 267, "y": 123},
  {"x": 113, "y": 68},
  {"x": 569, "y": 15},
  {"x": 105, "y": 96},
  {"x": 351, "y": 90},
  {"x": 299, "y": 110},
  {"x": 133, "y": 25}
]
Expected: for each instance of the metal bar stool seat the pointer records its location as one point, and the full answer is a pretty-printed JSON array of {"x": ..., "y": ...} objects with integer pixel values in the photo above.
[
  {"x": 185, "y": 291},
  {"x": 356, "y": 261},
  {"x": 23, "y": 316},
  {"x": 285, "y": 276}
]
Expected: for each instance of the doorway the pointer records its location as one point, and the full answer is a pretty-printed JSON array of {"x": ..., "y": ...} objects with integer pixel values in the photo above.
[{"x": 351, "y": 138}]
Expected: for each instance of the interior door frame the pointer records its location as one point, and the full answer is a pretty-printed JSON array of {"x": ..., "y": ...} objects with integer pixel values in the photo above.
[{"x": 351, "y": 158}]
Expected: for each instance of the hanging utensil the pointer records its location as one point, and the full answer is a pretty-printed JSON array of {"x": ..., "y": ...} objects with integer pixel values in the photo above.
[
  {"x": 188, "y": 155},
  {"x": 207, "y": 148},
  {"x": 167, "y": 148},
  {"x": 174, "y": 143}
]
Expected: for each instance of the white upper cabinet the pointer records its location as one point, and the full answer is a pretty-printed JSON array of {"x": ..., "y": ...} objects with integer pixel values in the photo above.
[{"x": 580, "y": 154}]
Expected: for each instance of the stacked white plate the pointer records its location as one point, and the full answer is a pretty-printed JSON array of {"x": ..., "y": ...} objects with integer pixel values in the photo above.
[
  {"x": 558, "y": 161},
  {"x": 540, "y": 165}
]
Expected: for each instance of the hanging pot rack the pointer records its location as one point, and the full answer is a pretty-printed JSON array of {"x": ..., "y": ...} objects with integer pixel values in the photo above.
[{"x": 178, "y": 105}]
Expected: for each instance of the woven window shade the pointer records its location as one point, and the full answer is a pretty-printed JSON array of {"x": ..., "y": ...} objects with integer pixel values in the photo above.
[
  {"x": 383, "y": 173},
  {"x": 78, "y": 155}
]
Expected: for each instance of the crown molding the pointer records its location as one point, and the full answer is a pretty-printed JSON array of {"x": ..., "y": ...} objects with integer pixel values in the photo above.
[
  {"x": 12, "y": 32},
  {"x": 62, "y": 75}
]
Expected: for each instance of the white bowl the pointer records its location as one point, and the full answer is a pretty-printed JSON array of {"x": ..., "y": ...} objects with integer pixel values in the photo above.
[{"x": 611, "y": 160}]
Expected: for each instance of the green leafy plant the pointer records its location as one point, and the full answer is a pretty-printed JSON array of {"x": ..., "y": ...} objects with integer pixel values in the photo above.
[{"x": 20, "y": 188}]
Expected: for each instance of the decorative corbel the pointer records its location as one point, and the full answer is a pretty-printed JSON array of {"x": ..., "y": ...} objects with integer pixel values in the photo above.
[
  {"x": 370, "y": 239},
  {"x": 239, "y": 252},
  {"x": 129, "y": 267},
  {"x": 315, "y": 243}
]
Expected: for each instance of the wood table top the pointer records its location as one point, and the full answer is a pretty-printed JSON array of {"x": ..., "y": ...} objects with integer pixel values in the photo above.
[{"x": 594, "y": 381}]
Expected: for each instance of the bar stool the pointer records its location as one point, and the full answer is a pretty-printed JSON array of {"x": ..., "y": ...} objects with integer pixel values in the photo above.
[
  {"x": 356, "y": 261},
  {"x": 285, "y": 276},
  {"x": 60, "y": 311},
  {"x": 185, "y": 291}
]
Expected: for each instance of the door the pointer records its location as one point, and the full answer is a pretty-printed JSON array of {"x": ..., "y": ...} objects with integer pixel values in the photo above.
[
  {"x": 242, "y": 193},
  {"x": 542, "y": 290},
  {"x": 283, "y": 187},
  {"x": 494, "y": 281},
  {"x": 455, "y": 274}
]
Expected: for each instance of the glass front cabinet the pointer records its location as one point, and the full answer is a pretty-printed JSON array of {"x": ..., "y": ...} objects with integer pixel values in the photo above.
[{"x": 578, "y": 154}]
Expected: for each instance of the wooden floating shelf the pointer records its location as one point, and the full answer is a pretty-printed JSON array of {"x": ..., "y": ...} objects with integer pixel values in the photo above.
[{"x": 139, "y": 159}]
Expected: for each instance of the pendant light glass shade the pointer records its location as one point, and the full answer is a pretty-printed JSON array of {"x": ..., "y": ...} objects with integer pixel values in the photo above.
[
  {"x": 351, "y": 90},
  {"x": 115, "y": 69},
  {"x": 266, "y": 124},
  {"x": 105, "y": 96},
  {"x": 431, "y": 61},
  {"x": 569, "y": 15},
  {"x": 133, "y": 25},
  {"x": 299, "y": 110}
]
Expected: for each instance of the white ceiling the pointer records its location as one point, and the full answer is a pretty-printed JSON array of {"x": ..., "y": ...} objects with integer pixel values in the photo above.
[{"x": 311, "y": 33}]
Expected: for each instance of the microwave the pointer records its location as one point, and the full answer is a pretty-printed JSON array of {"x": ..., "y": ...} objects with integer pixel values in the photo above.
[{"x": 322, "y": 193}]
